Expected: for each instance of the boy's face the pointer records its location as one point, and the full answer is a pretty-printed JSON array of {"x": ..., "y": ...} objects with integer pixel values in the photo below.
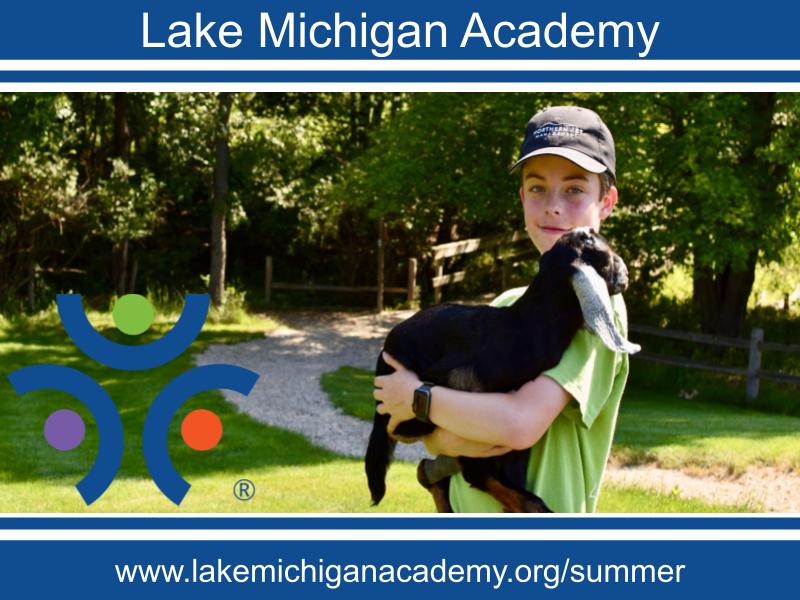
[{"x": 558, "y": 196}]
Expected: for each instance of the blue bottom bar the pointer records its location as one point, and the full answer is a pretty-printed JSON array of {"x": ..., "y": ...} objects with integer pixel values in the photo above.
[{"x": 419, "y": 569}]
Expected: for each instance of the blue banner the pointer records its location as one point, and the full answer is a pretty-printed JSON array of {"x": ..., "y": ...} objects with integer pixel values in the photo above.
[
  {"x": 412, "y": 30},
  {"x": 394, "y": 569}
]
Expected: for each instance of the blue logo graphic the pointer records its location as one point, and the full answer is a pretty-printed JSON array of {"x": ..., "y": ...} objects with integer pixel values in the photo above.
[{"x": 64, "y": 429}]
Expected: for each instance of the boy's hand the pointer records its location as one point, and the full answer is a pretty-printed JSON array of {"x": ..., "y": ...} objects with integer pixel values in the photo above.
[
  {"x": 441, "y": 441},
  {"x": 395, "y": 393}
]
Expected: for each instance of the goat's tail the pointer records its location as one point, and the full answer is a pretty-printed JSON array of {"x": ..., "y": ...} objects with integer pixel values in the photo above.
[{"x": 379, "y": 455}]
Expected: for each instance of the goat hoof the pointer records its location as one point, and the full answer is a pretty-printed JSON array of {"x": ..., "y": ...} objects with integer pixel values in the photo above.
[{"x": 422, "y": 475}]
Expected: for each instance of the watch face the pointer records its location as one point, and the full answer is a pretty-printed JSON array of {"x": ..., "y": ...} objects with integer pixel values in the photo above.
[{"x": 421, "y": 403}]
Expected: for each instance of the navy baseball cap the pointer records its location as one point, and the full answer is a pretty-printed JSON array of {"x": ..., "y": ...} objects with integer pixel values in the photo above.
[{"x": 577, "y": 134}]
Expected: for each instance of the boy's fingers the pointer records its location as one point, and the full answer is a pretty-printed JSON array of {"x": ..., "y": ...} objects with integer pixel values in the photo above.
[{"x": 393, "y": 362}]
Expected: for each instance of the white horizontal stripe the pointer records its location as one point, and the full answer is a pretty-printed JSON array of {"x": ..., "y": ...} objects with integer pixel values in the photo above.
[
  {"x": 400, "y": 65},
  {"x": 400, "y": 534},
  {"x": 402, "y": 516},
  {"x": 245, "y": 86}
]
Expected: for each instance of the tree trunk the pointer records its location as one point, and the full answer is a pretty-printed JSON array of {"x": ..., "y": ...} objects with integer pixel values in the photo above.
[
  {"x": 122, "y": 150},
  {"x": 121, "y": 286},
  {"x": 721, "y": 294},
  {"x": 134, "y": 273},
  {"x": 722, "y": 298},
  {"x": 219, "y": 206},
  {"x": 32, "y": 274}
]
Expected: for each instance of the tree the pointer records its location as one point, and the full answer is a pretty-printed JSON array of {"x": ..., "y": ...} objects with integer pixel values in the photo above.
[
  {"x": 219, "y": 206},
  {"x": 714, "y": 186}
]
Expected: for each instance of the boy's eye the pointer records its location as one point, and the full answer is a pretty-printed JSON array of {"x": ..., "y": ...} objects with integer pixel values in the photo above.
[
  {"x": 574, "y": 190},
  {"x": 536, "y": 189}
]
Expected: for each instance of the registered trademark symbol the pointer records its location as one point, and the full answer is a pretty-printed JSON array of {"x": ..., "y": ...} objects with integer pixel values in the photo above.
[{"x": 244, "y": 490}]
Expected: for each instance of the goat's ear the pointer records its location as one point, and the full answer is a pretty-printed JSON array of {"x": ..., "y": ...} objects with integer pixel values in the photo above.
[{"x": 595, "y": 302}]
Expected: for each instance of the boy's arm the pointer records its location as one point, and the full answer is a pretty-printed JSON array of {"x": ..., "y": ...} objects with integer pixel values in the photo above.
[
  {"x": 514, "y": 420},
  {"x": 441, "y": 441}
]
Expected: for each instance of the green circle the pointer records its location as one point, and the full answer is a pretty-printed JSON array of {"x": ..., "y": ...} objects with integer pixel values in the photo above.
[{"x": 133, "y": 314}]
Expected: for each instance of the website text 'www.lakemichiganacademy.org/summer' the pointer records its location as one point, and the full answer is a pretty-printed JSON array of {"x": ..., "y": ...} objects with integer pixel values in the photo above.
[{"x": 335, "y": 575}]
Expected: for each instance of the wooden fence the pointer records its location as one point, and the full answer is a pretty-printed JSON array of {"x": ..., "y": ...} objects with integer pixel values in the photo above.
[
  {"x": 379, "y": 288},
  {"x": 755, "y": 346},
  {"x": 452, "y": 249}
]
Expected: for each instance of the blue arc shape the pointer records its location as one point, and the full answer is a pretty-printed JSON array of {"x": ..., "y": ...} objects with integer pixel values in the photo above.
[
  {"x": 132, "y": 358},
  {"x": 168, "y": 401},
  {"x": 96, "y": 399}
]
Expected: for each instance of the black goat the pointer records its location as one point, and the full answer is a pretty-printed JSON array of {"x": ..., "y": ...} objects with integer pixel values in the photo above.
[{"x": 489, "y": 349}]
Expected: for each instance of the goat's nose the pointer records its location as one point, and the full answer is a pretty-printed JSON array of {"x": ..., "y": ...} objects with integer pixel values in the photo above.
[{"x": 620, "y": 279}]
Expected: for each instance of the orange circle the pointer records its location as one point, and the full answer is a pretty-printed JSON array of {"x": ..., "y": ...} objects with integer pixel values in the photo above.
[{"x": 201, "y": 429}]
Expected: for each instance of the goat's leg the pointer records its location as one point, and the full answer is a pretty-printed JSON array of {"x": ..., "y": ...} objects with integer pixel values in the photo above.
[
  {"x": 515, "y": 499},
  {"x": 436, "y": 479}
]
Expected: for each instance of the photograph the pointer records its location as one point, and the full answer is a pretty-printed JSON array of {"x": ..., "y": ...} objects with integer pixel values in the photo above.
[{"x": 386, "y": 302}]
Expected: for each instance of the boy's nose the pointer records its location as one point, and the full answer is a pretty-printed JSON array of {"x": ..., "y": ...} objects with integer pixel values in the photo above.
[{"x": 552, "y": 206}]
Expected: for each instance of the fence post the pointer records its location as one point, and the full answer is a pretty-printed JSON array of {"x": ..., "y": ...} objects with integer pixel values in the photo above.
[
  {"x": 438, "y": 266},
  {"x": 412, "y": 281},
  {"x": 754, "y": 363},
  {"x": 268, "y": 279},
  {"x": 379, "y": 303}
]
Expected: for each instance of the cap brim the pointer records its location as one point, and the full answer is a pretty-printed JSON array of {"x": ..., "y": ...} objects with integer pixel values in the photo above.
[{"x": 579, "y": 158}]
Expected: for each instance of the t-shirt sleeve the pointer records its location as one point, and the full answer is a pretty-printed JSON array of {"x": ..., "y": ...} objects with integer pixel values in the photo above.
[
  {"x": 587, "y": 371},
  {"x": 508, "y": 297}
]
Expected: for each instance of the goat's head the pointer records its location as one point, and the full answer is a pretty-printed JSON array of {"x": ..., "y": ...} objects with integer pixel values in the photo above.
[{"x": 595, "y": 272}]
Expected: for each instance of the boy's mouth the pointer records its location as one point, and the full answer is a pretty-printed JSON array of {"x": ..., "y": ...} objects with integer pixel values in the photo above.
[{"x": 554, "y": 230}]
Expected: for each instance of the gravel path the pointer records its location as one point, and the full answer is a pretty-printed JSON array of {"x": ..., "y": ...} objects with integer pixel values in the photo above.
[
  {"x": 291, "y": 360},
  {"x": 288, "y": 395},
  {"x": 758, "y": 488}
]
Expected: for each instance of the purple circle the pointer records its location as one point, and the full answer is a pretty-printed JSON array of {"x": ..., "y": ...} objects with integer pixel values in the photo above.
[{"x": 64, "y": 429}]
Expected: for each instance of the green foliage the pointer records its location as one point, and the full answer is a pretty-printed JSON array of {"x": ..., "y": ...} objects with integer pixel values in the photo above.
[
  {"x": 708, "y": 182},
  {"x": 126, "y": 206}
]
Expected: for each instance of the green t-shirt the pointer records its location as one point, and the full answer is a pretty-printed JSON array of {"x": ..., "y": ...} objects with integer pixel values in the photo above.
[{"x": 566, "y": 465}]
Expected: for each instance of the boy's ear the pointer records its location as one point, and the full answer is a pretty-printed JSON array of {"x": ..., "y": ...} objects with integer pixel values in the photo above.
[
  {"x": 521, "y": 194},
  {"x": 609, "y": 201}
]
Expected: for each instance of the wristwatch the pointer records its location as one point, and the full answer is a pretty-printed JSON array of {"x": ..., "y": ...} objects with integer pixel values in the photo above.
[{"x": 422, "y": 402}]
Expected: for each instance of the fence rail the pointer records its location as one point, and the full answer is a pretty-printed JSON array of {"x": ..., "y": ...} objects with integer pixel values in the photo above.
[
  {"x": 755, "y": 346},
  {"x": 452, "y": 249},
  {"x": 410, "y": 290}
]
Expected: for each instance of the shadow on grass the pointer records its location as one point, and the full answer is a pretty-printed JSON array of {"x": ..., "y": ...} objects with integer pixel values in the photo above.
[
  {"x": 246, "y": 444},
  {"x": 661, "y": 419}
]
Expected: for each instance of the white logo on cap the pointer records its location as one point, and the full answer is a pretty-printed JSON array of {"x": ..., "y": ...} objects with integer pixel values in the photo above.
[{"x": 557, "y": 130}]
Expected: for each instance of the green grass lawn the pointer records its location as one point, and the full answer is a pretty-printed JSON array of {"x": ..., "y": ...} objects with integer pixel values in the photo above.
[
  {"x": 693, "y": 435},
  {"x": 291, "y": 475}
]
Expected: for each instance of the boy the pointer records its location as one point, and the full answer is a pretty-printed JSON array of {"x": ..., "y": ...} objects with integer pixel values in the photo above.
[{"x": 568, "y": 414}]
